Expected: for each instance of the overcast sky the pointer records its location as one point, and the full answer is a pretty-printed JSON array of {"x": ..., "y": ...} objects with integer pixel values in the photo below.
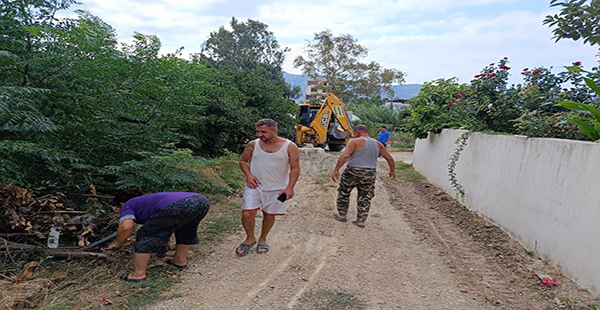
[{"x": 427, "y": 39}]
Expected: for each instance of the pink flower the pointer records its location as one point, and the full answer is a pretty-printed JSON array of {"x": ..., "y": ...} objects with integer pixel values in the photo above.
[
  {"x": 460, "y": 103},
  {"x": 504, "y": 67},
  {"x": 525, "y": 69},
  {"x": 492, "y": 64},
  {"x": 493, "y": 75},
  {"x": 577, "y": 63},
  {"x": 505, "y": 58},
  {"x": 490, "y": 71}
]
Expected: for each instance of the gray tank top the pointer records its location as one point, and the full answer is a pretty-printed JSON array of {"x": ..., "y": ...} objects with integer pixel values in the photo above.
[{"x": 365, "y": 157}]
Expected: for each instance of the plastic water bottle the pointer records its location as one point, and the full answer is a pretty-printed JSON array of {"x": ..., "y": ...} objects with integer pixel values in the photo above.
[{"x": 53, "y": 238}]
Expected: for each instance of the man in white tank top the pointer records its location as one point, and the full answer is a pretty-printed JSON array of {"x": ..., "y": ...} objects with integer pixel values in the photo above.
[
  {"x": 272, "y": 166},
  {"x": 361, "y": 172}
]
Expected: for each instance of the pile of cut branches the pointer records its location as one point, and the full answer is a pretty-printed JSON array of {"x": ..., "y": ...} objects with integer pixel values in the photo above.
[{"x": 28, "y": 216}]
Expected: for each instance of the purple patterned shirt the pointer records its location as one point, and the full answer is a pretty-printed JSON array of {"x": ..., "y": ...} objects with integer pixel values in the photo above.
[{"x": 141, "y": 208}]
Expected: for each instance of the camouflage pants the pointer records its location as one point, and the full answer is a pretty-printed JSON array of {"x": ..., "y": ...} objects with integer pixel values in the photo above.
[{"x": 364, "y": 180}]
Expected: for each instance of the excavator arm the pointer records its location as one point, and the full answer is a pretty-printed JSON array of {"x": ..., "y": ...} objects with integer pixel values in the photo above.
[
  {"x": 339, "y": 112},
  {"x": 322, "y": 131}
]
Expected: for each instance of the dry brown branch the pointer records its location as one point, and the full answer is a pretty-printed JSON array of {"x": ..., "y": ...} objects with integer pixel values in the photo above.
[
  {"x": 14, "y": 245},
  {"x": 58, "y": 253},
  {"x": 91, "y": 195},
  {"x": 63, "y": 211}
]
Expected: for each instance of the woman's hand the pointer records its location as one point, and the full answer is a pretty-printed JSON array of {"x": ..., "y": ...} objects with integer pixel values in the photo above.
[{"x": 114, "y": 247}]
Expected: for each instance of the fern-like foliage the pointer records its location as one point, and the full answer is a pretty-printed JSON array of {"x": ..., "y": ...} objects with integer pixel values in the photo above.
[
  {"x": 27, "y": 162},
  {"x": 19, "y": 113}
]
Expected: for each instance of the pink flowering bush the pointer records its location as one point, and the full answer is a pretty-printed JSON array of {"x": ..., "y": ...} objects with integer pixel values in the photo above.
[
  {"x": 489, "y": 103},
  {"x": 491, "y": 99},
  {"x": 437, "y": 106}
]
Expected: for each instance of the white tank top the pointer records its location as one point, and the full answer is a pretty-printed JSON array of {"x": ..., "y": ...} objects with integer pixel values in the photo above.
[{"x": 271, "y": 169}]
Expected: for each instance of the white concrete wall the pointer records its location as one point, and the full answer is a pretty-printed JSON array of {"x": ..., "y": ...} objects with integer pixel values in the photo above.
[{"x": 544, "y": 192}]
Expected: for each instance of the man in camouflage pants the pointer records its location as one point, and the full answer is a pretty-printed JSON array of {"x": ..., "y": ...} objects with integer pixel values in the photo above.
[{"x": 361, "y": 171}]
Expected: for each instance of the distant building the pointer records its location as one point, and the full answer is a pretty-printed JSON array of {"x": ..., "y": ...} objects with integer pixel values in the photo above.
[
  {"x": 397, "y": 104},
  {"x": 312, "y": 91}
]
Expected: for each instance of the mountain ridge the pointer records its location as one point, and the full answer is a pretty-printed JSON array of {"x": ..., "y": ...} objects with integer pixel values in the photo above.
[{"x": 404, "y": 91}]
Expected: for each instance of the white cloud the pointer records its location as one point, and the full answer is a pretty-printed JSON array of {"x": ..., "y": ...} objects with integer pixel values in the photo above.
[
  {"x": 196, "y": 4},
  {"x": 295, "y": 51},
  {"x": 473, "y": 45},
  {"x": 427, "y": 39},
  {"x": 440, "y": 5}
]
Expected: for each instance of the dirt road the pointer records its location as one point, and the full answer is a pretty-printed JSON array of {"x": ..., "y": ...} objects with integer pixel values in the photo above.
[{"x": 419, "y": 251}]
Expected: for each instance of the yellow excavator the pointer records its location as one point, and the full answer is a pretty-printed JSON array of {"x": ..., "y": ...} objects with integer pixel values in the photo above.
[{"x": 323, "y": 124}]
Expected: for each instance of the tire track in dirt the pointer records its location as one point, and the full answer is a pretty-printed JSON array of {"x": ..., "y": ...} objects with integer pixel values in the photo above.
[
  {"x": 385, "y": 266},
  {"x": 487, "y": 262}
]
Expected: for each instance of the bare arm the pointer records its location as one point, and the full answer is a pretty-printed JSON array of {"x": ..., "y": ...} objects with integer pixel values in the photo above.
[
  {"x": 251, "y": 181},
  {"x": 350, "y": 148},
  {"x": 123, "y": 232},
  {"x": 294, "y": 155},
  {"x": 388, "y": 157}
]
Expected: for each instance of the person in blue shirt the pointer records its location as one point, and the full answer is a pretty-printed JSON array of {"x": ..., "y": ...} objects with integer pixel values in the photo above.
[{"x": 384, "y": 135}]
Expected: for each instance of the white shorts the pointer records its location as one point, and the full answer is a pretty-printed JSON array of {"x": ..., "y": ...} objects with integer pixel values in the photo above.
[{"x": 255, "y": 198}]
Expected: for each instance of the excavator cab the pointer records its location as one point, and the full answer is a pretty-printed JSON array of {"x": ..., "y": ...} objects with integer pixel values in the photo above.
[{"x": 307, "y": 114}]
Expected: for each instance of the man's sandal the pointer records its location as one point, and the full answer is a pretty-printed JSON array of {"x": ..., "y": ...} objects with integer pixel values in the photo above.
[
  {"x": 339, "y": 218},
  {"x": 356, "y": 223},
  {"x": 245, "y": 248},
  {"x": 263, "y": 247}
]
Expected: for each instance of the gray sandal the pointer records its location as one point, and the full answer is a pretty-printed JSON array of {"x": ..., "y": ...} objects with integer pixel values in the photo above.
[
  {"x": 359, "y": 226},
  {"x": 262, "y": 247},
  {"x": 245, "y": 248},
  {"x": 339, "y": 218}
]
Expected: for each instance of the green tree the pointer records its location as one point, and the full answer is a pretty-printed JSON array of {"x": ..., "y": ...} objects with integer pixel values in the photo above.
[
  {"x": 246, "y": 47},
  {"x": 248, "y": 60},
  {"x": 578, "y": 19},
  {"x": 336, "y": 60},
  {"x": 249, "y": 47}
]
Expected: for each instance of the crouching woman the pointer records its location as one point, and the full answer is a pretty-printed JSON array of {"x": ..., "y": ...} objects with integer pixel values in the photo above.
[{"x": 162, "y": 215}]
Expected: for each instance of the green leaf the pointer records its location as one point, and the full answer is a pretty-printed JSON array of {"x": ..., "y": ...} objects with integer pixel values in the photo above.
[
  {"x": 591, "y": 84},
  {"x": 581, "y": 107},
  {"x": 590, "y": 131},
  {"x": 572, "y": 105},
  {"x": 574, "y": 69}
]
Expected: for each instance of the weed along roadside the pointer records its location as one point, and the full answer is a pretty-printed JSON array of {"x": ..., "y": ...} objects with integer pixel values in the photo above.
[{"x": 37, "y": 278}]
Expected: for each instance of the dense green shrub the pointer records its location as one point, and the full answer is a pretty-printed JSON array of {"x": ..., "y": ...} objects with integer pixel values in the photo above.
[{"x": 78, "y": 109}]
